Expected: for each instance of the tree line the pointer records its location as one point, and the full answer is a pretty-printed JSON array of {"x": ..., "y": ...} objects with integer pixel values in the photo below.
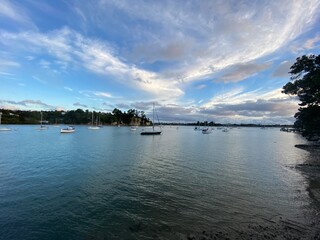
[{"x": 78, "y": 116}]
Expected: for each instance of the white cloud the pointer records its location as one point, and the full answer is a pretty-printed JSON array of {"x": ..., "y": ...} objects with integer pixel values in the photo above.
[
  {"x": 70, "y": 47},
  {"x": 30, "y": 58},
  {"x": 103, "y": 94},
  {"x": 213, "y": 35},
  {"x": 68, "y": 88},
  {"x": 242, "y": 71},
  {"x": 60, "y": 109},
  {"x": 203, "y": 39},
  {"x": 12, "y": 11},
  {"x": 94, "y": 94},
  {"x": 305, "y": 46},
  {"x": 77, "y": 104},
  {"x": 28, "y": 103},
  {"x": 40, "y": 80},
  {"x": 6, "y": 74},
  {"x": 44, "y": 64},
  {"x": 251, "y": 105},
  {"x": 240, "y": 95},
  {"x": 8, "y": 63},
  {"x": 311, "y": 43},
  {"x": 201, "y": 86},
  {"x": 164, "y": 45}
]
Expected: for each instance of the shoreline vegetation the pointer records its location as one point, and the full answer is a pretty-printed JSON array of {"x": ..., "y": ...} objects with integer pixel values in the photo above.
[
  {"x": 116, "y": 117},
  {"x": 75, "y": 117}
]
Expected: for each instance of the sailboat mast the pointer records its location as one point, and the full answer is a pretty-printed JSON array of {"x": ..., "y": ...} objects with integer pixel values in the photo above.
[
  {"x": 92, "y": 119},
  {"x": 153, "y": 118}
]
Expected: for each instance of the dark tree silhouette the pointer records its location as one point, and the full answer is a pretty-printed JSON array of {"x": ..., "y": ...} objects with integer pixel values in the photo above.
[{"x": 305, "y": 83}]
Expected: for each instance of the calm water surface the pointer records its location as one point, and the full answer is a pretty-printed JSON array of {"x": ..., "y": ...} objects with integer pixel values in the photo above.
[{"x": 116, "y": 184}]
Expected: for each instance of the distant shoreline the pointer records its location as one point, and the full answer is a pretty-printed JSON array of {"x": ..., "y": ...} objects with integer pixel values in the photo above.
[{"x": 163, "y": 124}]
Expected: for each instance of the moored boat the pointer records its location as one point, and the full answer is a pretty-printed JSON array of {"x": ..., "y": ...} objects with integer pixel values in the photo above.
[
  {"x": 5, "y": 129},
  {"x": 42, "y": 127},
  {"x": 206, "y": 130},
  {"x": 93, "y": 127},
  {"x": 133, "y": 128},
  {"x": 153, "y": 131},
  {"x": 67, "y": 130}
]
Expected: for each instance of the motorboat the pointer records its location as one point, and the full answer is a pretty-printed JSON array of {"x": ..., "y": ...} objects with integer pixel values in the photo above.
[{"x": 67, "y": 130}]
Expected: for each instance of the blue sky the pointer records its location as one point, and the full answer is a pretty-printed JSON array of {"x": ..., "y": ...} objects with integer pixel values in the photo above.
[{"x": 222, "y": 61}]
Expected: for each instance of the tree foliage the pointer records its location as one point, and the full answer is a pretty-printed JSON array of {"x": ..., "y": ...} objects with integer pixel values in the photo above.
[
  {"x": 78, "y": 116},
  {"x": 305, "y": 83}
]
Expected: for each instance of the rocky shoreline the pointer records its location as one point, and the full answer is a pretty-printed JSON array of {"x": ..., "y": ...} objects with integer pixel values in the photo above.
[{"x": 311, "y": 169}]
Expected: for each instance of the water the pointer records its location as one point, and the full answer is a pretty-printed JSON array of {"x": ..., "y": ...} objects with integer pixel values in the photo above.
[{"x": 116, "y": 184}]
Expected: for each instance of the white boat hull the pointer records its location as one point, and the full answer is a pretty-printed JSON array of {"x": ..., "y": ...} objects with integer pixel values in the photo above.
[
  {"x": 67, "y": 130},
  {"x": 93, "y": 128},
  {"x": 5, "y": 129}
]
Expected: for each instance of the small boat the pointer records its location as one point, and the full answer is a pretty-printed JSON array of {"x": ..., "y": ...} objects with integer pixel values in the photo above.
[
  {"x": 5, "y": 129},
  {"x": 133, "y": 128},
  {"x": 197, "y": 128},
  {"x": 206, "y": 130},
  {"x": 152, "y": 132},
  {"x": 93, "y": 127},
  {"x": 56, "y": 124},
  {"x": 99, "y": 122},
  {"x": 42, "y": 127},
  {"x": 67, "y": 130}
]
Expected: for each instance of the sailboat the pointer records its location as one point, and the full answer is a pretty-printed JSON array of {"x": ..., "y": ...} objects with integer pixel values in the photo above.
[
  {"x": 152, "y": 132},
  {"x": 3, "y": 128},
  {"x": 42, "y": 127},
  {"x": 56, "y": 124},
  {"x": 92, "y": 127},
  {"x": 206, "y": 129},
  {"x": 99, "y": 122}
]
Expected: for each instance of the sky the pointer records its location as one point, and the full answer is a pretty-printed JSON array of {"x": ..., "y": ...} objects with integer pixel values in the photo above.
[{"x": 222, "y": 61}]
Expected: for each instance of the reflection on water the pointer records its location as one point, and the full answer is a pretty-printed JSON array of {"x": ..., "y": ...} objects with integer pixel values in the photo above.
[{"x": 115, "y": 183}]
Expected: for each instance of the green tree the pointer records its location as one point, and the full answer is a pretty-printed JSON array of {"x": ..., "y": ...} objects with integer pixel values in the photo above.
[
  {"x": 305, "y": 83},
  {"x": 118, "y": 115},
  {"x": 127, "y": 117}
]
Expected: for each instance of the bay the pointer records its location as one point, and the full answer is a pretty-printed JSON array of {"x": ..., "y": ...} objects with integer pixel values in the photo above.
[{"x": 114, "y": 183}]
